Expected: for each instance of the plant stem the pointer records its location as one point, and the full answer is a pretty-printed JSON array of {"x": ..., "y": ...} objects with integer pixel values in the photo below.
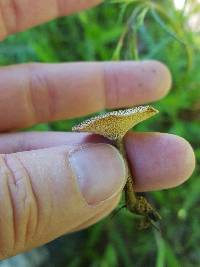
[{"x": 130, "y": 196}]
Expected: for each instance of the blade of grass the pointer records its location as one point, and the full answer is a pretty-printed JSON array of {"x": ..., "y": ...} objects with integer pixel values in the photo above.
[{"x": 160, "y": 259}]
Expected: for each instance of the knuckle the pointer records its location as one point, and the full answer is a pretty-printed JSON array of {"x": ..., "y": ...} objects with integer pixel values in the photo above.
[
  {"x": 18, "y": 206},
  {"x": 10, "y": 13},
  {"x": 112, "y": 86},
  {"x": 40, "y": 93}
]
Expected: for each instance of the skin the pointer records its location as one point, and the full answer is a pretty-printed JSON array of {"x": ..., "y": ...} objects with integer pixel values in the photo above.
[{"x": 39, "y": 172}]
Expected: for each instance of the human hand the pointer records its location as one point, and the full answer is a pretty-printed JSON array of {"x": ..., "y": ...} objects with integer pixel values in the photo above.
[{"x": 56, "y": 183}]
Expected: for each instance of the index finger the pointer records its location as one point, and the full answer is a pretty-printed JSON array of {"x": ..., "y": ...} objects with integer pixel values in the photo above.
[
  {"x": 17, "y": 15},
  {"x": 35, "y": 93}
]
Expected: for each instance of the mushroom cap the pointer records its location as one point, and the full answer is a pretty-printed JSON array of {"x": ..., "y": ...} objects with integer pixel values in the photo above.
[{"x": 115, "y": 124}]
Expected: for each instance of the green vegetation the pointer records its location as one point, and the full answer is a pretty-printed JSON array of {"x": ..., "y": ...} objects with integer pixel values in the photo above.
[{"x": 131, "y": 29}]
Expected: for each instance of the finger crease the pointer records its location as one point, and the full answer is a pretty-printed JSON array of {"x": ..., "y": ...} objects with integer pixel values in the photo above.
[
  {"x": 10, "y": 13},
  {"x": 12, "y": 176},
  {"x": 39, "y": 95},
  {"x": 111, "y": 87},
  {"x": 35, "y": 198}
]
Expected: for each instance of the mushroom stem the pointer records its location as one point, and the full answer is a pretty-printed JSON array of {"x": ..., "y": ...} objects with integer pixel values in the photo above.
[
  {"x": 136, "y": 204},
  {"x": 130, "y": 196},
  {"x": 114, "y": 125}
]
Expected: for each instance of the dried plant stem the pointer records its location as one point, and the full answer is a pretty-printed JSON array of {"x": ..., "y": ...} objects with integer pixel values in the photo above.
[
  {"x": 136, "y": 204},
  {"x": 130, "y": 196}
]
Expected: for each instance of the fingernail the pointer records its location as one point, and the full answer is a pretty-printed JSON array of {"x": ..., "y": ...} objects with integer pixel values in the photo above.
[{"x": 100, "y": 172}]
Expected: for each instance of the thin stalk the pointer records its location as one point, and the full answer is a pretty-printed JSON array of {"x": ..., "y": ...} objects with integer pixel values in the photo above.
[{"x": 130, "y": 196}]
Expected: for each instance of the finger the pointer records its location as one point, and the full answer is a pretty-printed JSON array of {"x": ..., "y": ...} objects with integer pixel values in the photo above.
[
  {"x": 49, "y": 192},
  {"x": 26, "y": 141},
  {"x": 48, "y": 92},
  {"x": 14, "y": 16},
  {"x": 158, "y": 161}
]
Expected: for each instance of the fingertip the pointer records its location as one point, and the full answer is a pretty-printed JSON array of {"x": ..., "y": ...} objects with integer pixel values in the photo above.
[
  {"x": 185, "y": 159},
  {"x": 160, "y": 80},
  {"x": 159, "y": 161},
  {"x": 100, "y": 171},
  {"x": 135, "y": 82}
]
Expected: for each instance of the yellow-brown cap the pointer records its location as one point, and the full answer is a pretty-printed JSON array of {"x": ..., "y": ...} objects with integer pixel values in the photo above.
[{"x": 115, "y": 124}]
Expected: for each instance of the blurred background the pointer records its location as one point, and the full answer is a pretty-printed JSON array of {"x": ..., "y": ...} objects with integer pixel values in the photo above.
[{"x": 129, "y": 29}]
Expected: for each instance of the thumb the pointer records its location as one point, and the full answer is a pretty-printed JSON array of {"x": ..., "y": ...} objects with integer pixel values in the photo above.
[{"x": 49, "y": 192}]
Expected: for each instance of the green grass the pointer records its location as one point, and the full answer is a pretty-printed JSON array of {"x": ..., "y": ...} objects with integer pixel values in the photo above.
[{"x": 144, "y": 30}]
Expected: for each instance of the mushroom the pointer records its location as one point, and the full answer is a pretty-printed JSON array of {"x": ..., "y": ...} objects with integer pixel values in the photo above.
[{"x": 114, "y": 125}]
